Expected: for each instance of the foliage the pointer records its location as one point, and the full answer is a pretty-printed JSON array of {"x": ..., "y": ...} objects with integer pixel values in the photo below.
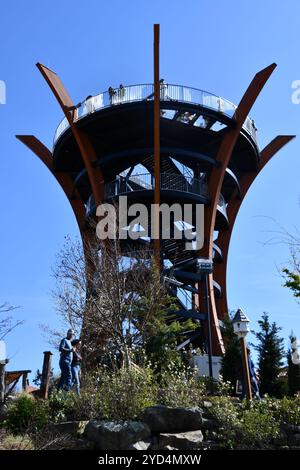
[
  {"x": 226, "y": 413},
  {"x": 26, "y": 413},
  {"x": 180, "y": 387},
  {"x": 111, "y": 299},
  {"x": 232, "y": 359},
  {"x": 7, "y": 325},
  {"x": 292, "y": 281},
  {"x": 293, "y": 370},
  {"x": 289, "y": 410},
  {"x": 125, "y": 393},
  {"x": 248, "y": 424},
  {"x": 271, "y": 353},
  {"x": 15, "y": 442},
  {"x": 60, "y": 403},
  {"x": 160, "y": 347},
  {"x": 259, "y": 428}
]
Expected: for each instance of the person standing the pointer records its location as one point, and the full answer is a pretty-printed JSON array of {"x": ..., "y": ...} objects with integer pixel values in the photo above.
[
  {"x": 65, "y": 362},
  {"x": 76, "y": 364},
  {"x": 253, "y": 376}
]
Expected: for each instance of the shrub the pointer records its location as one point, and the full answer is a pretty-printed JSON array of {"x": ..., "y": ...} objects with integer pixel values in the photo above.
[
  {"x": 60, "y": 405},
  {"x": 226, "y": 413},
  {"x": 15, "y": 442},
  {"x": 179, "y": 388},
  {"x": 26, "y": 413},
  {"x": 247, "y": 425},
  {"x": 125, "y": 393},
  {"x": 290, "y": 410},
  {"x": 258, "y": 429}
]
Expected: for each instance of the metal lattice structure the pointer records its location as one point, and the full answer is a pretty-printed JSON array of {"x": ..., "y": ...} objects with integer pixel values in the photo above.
[{"x": 208, "y": 153}]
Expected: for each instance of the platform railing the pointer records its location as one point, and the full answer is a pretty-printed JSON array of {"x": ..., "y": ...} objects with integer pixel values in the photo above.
[
  {"x": 168, "y": 181},
  {"x": 145, "y": 92},
  {"x": 145, "y": 181}
]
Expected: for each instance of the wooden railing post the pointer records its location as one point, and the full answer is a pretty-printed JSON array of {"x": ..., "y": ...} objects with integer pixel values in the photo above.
[{"x": 44, "y": 389}]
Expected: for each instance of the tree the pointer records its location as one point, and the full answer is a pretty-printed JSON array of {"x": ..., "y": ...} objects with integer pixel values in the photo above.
[
  {"x": 291, "y": 274},
  {"x": 231, "y": 369},
  {"x": 293, "y": 368},
  {"x": 292, "y": 281},
  {"x": 52, "y": 379},
  {"x": 7, "y": 325},
  {"x": 114, "y": 302},
  {"x": 270, "y": 357}
]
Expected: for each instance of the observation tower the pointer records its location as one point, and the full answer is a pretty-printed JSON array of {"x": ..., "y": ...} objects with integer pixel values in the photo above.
[{"x": 168, "y": 143}]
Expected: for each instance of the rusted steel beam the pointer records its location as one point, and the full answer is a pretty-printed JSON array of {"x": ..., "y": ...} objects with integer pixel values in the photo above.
[
  {"x": 86, "y": 148},
  {"x": 156, "y": 221},
  {"x": 215, "y": 184},
  {"x": 233, "y": 207}
]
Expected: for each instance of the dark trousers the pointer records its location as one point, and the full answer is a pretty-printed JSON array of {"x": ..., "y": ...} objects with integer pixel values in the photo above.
[{"x": 65, "y": 382}]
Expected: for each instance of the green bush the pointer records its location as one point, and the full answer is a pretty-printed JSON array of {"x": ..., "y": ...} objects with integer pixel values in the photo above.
[
  {"x": 125, "y": 393},
  {"x": 26, "y": 413},
  {"x": 258, "y": 429},
  {"x": 225, "y": 412},
  {"x": 179, "y": 388},
  {"x": 247, "y": 425},
  {"x": 60, "y": 405},
  {"x": 290, "y": 410}
]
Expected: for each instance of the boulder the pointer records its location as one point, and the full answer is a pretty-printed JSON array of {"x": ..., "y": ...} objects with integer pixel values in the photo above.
[
  {"x": 210, "y": 424},
  {"x": 116, "y": 435},
  {"x": 164, "y": 419},
  {"x": 290, "y": 428},
  {"x": 191, "y": 440},
  {"x": 294, "y": 440},
  {"x": 140, "y": 445},
  {"x": 74, "y": 428}
]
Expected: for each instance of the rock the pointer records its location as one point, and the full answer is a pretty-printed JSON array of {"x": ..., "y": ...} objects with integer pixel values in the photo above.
[
  {"x": 210, "y": 424},
  {"x": 290, "y": 428},
  {"x": 164, "y": 419},
  {"x": 183, "y": 441},
  {"x": 140, "y": 445},
  {"x": 115, "y": 435},
  {"x": 74, "y": 428},
  {"x": 209, "y": 445},
  {"x": 294, "y": 440},
  {"x": 207, "y": 404}
]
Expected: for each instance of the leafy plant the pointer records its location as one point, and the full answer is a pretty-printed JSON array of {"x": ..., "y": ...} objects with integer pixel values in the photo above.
[
  {"x": 26, "y": 413},
  {"x": 125, "y": 393}
]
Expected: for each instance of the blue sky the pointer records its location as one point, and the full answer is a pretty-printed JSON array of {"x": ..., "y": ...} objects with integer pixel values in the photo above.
[{"x": 216, "y": 46}]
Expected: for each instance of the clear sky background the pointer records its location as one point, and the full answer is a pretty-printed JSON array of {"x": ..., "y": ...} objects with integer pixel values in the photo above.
[{"x": 216, "y": 46}]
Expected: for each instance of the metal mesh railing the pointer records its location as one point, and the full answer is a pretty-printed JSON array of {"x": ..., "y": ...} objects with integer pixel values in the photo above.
[
  {"x": 145, "y": 92},
  {"x": 168, "y": 181}
]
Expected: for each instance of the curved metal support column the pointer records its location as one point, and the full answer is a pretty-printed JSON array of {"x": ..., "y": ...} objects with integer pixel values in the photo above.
[
  {"x": 236, "y": 200},
  {"x": 215, "y": 184},
  {"x": 85, "y": 146},
  {"x": 64, "y": 180}
]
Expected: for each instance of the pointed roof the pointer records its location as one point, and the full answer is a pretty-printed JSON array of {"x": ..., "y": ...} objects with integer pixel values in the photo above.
[{"x": 240, "y": 316}]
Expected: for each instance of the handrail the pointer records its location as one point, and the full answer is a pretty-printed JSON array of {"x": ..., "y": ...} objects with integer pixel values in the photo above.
[
  {"x": 142, "y": 181},
  {"x": 145, "y": 181},
  {"x": 145, "y": 92}
]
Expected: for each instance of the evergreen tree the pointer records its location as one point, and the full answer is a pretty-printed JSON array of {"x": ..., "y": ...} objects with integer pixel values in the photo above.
[
  {"x": 231, "y": 369},
  {"x": 293, "y": 370},
  {"x": 270, "y": 357}
]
